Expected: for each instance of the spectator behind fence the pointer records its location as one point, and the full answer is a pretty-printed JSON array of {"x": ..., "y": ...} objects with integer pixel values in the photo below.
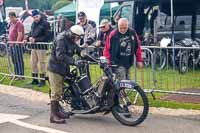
[
  {"x": 39, "y": 33},
  {"x": 16, "y": 33},
  {"x": 105, "y": 29},
  {"x": 63, "y": 23},
  {"x": 89, "y": 38},
  {"x": 121, "y": 46},
  {"x": 89, "y": 28}
]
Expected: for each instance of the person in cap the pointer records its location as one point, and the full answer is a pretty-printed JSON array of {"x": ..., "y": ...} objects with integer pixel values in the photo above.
[
  {"x": 105, "y": 29},
  {"x": 39, "y": 33},
  {"x": 59, "y": 66},
  {"x": 63, "y": 23},
  {"x": 89, "y": 38},
  {"x": 89, "y": 28}
]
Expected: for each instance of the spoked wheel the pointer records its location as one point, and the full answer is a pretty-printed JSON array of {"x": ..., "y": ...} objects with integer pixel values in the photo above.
[
  {"x": 146, "y": 57},
  {"x": 3, "y": 51},
  {"x": 183, "y": 62},
  {"x": 133, "y": 106},
  {"x": 160, "y": 59}
]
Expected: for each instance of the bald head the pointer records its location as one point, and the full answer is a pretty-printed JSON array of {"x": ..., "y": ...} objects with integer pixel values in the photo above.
[{"x": 123, "y": 25}]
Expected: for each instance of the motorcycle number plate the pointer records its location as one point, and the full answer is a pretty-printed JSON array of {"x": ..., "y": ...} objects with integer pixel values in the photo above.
[{"x": 126, "y": 85}]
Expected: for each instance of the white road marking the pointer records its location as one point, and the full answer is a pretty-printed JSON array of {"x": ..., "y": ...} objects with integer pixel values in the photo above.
[
  {"x": 12, "y": 118},
  {"x": 38, "y": 128}
]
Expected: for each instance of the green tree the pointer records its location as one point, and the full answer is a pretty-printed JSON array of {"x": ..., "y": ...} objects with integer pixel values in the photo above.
[
  {"x": 33, "y": 4},
  {"x": 59, "y": 4}
]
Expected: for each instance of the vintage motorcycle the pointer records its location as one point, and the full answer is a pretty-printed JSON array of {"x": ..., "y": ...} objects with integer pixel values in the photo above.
[{"x": 125, "y": 99}]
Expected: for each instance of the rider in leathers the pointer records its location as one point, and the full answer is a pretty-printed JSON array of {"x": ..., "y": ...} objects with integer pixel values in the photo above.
[{"x": 59, "y": 67}]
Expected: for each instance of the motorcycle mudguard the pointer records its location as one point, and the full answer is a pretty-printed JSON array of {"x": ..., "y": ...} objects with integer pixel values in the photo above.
[
  {"x": 130, "y": 84},
  {"x": 127, "y": 84},
  {"x": 114, "y": 90}
]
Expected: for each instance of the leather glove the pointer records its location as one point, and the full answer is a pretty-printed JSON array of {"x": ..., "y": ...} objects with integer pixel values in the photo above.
[{"x": 78, "y": 63}]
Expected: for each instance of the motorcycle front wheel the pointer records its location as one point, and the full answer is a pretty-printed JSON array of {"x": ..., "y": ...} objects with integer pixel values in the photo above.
[{"x": 132, "y": 108}]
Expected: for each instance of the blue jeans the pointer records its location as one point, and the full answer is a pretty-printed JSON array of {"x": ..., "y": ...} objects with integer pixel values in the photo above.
[{"x": 17, "y": 59}]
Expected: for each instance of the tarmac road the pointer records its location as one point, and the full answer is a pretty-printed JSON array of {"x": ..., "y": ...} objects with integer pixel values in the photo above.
[{"x": 33, "y": 117}]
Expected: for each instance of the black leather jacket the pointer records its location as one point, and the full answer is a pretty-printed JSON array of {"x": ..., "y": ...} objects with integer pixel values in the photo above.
[
  {"x": 41, "y": 32},
  {"x": 62, "y": 54}
]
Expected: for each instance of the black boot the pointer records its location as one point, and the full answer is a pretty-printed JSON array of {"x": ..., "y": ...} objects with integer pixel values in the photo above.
[
  {"x": 62, "y": 113},
  {"x": 54, "y": 118},
  {"x": 42, "y": 81},
  {"x": 34, "y": 81}
]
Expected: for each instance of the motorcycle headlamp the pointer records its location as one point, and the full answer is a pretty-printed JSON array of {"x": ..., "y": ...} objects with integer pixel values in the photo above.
[{"x": 103, "y": 60}]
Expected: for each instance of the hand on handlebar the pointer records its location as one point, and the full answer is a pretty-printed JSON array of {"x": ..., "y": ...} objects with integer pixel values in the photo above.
[
  {"x": 78, "y": 63},
  {"x": 97, "y": 44},
  {"x": 85, "y": 45}
]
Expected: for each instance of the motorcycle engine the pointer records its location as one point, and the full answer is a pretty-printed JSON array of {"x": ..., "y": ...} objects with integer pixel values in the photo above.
[{"x": 91, "y": 100}]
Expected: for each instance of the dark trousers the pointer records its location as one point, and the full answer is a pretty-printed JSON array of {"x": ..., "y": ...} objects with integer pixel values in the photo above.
[{"x": 17, "y": 59}]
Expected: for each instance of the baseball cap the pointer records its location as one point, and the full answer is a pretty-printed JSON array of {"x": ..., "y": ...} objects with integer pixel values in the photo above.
[
  {"x": 103, "y": 22},
  {"x": 81, "y": 14},
  {"x": 35, "y": 13},
  {"x": 12, "y": 14}
]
